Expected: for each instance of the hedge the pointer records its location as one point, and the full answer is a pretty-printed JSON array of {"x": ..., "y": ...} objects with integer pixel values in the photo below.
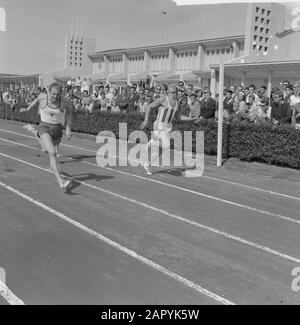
[{"x": 278, "y": 145}]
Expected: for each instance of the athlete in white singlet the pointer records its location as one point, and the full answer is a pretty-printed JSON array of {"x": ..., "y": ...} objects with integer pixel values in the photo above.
[
  {"x": 168, "y": 110},
  {"x": 55, "y": 109}
]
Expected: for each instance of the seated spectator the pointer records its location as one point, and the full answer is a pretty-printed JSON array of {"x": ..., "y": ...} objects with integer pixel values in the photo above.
[
  {"x": 76, "y": 103},
  {"x": 207, "y": 105},
  {"x": 87, "y": 104},
  {"x": 280, "y": 110},
  {"x": 102, "y": 102}
]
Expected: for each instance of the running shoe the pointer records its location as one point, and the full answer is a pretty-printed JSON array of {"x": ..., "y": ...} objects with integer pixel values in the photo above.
[
  {"x": 148, "y": 169},
  {"x": 66, "y": 184}
]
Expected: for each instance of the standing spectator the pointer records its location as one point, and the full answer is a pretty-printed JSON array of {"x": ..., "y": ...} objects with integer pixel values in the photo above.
[
  {"x": 228, "y": 103},
  {"x": 184, "y": 107},
  {"x": 87, "y": 103},
  {"x": 114, "y": 100},
  {"x": 280, "y": 110},
  {"x": 122, "y": 101},
  {"x": 262, "y": 97},
  {"x": 240, "y": 108},
  {"x": 133, "y": 99},
  {"x": 78, "y": 82},
  {"x": 252, "y": 89},
  {"x": 194, "y": 107},
  {"x": 108, "y": 96},
  {"x": 207, "y": 105},
  {"x": 142, "y": 104},
  {"x": 284, "y": 85}
]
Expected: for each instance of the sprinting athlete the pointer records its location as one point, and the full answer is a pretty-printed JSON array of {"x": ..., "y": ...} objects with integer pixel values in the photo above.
[
  {"x": 168, "y": 109},
  {"x": 54, "y": 110}
]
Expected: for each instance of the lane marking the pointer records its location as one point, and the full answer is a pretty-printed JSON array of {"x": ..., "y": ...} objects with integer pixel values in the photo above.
[
  {"x": 123, "y": 249},
  {"x": 8, "y": 295},
  {"x": 203, "y": 176},
  {"x": 243, "y": 206},
  {"x": 170, "y": 215},
  {"x": 163, "y": 183}
]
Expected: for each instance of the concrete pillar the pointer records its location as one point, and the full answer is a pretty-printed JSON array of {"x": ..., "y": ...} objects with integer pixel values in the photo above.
[
  {"x": 243, "y": 79},
  {"x": 213, "y": 83},
  {"x": 106, "y": 65},
  {"x": 200, "y": 57},
  {"x": 236, "y": 49},
  {"x": 146, "y": 62},
  {"x": 172, "y": 60},
  {"x": 124, "y": 63}
]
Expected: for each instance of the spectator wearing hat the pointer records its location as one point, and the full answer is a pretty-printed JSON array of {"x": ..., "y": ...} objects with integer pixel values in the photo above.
[
  {"x": 280, "y": 110},
  {"x": 284, "y": 85}
]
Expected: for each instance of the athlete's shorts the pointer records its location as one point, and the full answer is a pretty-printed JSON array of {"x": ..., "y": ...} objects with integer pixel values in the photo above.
[
  {"x": 162, "y": 133},
  {"x": 54, "y": 130}
]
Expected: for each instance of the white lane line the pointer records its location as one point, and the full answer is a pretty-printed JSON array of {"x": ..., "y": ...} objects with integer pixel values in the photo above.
[
  {"x": 163, "y": 183},
  {"x": 243, "y": 206},
  {"x": 123, "y": 249},
  {"x": 170, "y": 215},
  {"x": 8, "y": 295}
]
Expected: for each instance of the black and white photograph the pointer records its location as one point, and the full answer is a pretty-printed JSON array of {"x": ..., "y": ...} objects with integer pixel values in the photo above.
[{"x": 149, "y": 155}]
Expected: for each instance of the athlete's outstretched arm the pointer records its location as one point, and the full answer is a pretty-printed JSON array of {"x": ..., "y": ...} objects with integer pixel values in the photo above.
[
  {"x": 30, "y": 106},
  {"x": 155, "y": 104}
]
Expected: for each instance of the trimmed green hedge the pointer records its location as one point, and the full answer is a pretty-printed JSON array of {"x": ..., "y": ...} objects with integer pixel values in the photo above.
[{"x": 278, "y": 145}]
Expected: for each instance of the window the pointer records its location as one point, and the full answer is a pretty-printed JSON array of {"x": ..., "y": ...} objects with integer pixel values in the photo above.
[
  {"x": 268, "y": 21},
  {"x": 261, "y": 29},
  {"x": 260, "y": 38},
  {"x": 80, "y": 64},
  {"x": 260, "y": 47},
  {"x": 255, "y": 28},
  {"x": 186, "y": 54},
  {"x": 212, "y": 52},
  {"x": 254, "y": 46},
  {"x": 266, "y": 48},
  {"x": 228, "y": 51},
  {"x": 268, "y": 12},
  {"x": 195, "y": 53},
  {"x": 257, "y": 10},
  {"x": 256, "y": 19},
  {"x": 217, "y": 51},
  {"x": 266, "y": 39},
  {"x": 182, "y": 55},
  {"x": 262, "y": 20},
  {"x": 267, "y": 31},
  {"x": 191, "y": 53},
  {"x": 255, "y": 37},
  {"x": 208, "y": 52},
  {"x": 178, "y": 55},
  {"x": 223, "y": 51},
  {"x": 263, "y": 11}
]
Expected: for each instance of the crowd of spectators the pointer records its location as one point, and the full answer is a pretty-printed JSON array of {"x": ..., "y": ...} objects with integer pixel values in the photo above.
[{"x": 242, "y": 103}]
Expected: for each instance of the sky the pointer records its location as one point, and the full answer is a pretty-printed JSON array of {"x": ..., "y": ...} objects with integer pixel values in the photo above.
[{"x": 35, "y": 29}]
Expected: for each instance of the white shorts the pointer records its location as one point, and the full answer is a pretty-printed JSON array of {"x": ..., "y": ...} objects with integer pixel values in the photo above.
[{"x": 162, "y": 133}]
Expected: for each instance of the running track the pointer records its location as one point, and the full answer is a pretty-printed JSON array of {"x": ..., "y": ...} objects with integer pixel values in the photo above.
[{"x": 120, "y": 237}]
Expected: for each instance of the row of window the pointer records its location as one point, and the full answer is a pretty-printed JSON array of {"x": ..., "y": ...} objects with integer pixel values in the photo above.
[
  {"x": 76, "y": 48},
  {"x": 262, "y": 20},
  {"x": 263, "y": 11},
  {"x": 75, "y": 53},
  {"x": 75, "y": 64},
  {"x": 260, "y": 47},
  {"x": 261, "y": 39},
  {"x": 76, "y": 42},
  {"x": 218, "y": 51},
  {"x": 75, "y": 58},
  {"x": 186, "y": 54},
  {"x": 261, "y": 29}
]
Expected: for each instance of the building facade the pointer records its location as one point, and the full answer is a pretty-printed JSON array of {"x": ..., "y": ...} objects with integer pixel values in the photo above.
[{"x": 267, "y": 53}]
